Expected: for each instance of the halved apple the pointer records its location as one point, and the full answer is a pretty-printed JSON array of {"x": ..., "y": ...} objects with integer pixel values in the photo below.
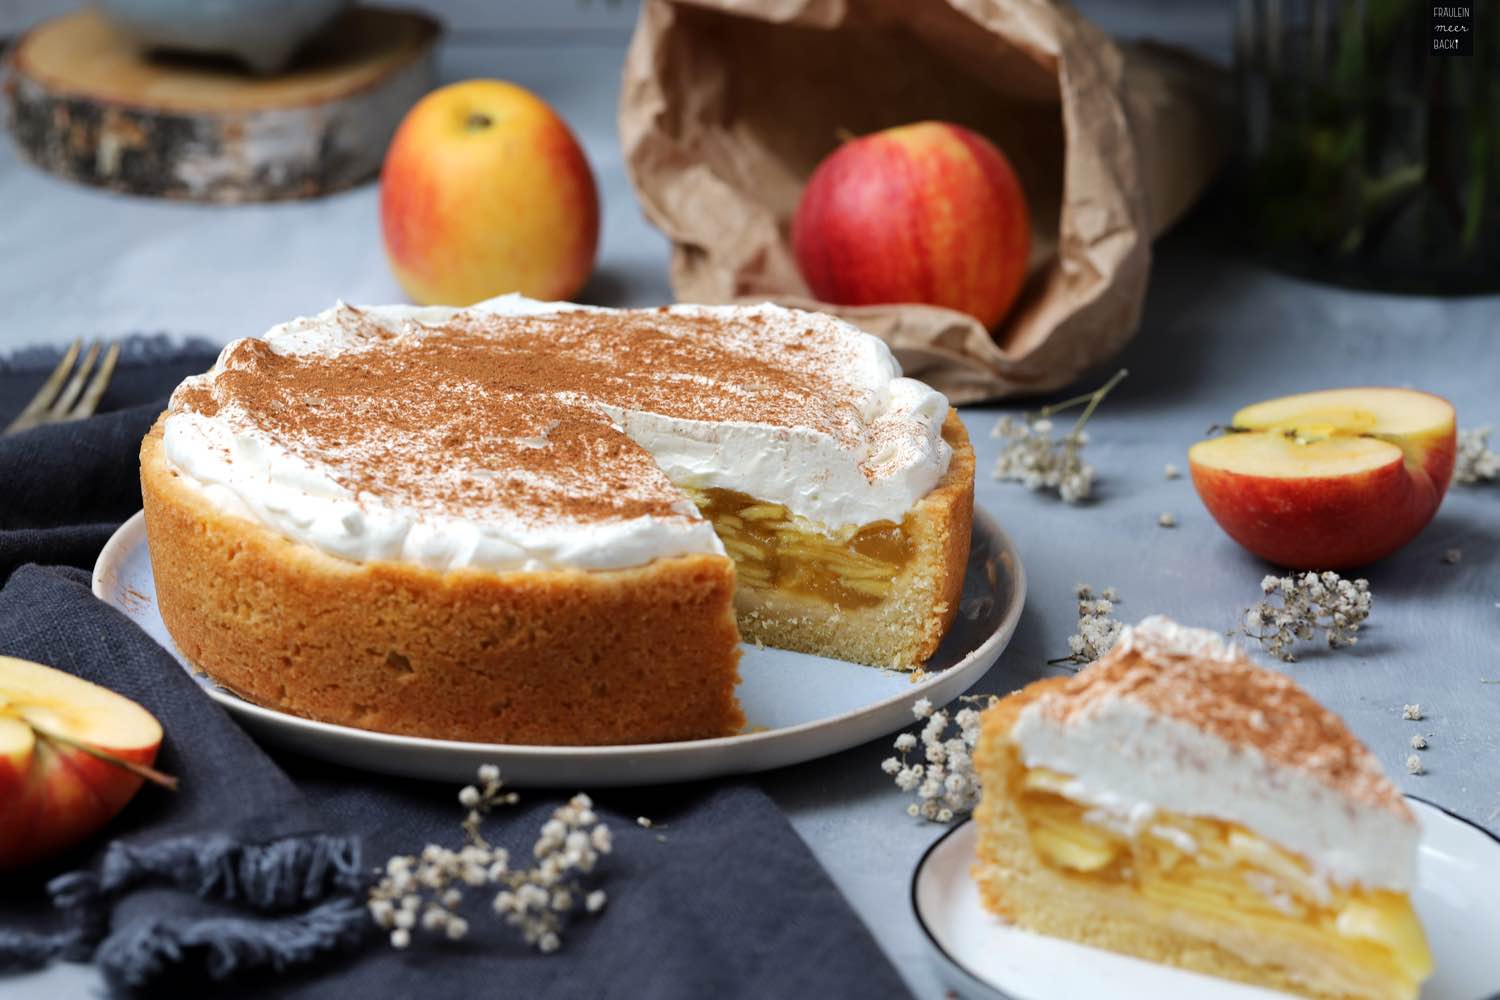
[
  {"x": 71, "y": 755},
  {"x": 1329, "y": 480}
]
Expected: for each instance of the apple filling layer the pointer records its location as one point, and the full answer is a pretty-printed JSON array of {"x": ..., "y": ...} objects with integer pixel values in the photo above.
[
  {"x": 773, "y": 549},
  {"x": 1224, "y": 872}
]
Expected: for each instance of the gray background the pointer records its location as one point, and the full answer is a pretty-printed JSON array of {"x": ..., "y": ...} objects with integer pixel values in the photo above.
[{"x": 1219, "y": 331}]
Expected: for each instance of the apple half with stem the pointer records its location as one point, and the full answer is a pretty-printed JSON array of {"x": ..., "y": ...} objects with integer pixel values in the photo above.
[
  {"x": 71, "y": 755},
  {"x": 1329, "y": 480}
]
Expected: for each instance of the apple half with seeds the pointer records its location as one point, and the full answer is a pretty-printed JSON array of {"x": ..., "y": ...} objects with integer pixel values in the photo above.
[
  {"x": 1331, "y": 479},
  {"x": 71, "y": 755}
]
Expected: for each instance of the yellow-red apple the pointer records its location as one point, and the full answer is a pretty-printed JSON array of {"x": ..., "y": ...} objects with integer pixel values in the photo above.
[
  {"x": 929, "y": 213},
  {"x": 485, "y": 191},
  {"x": 1329, "y": 480},
  {"x": 57, "y": 781}
]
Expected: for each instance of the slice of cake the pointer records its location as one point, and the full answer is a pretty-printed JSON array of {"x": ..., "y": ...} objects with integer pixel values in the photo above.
[
  {"x": 537, "y": 523},
  {"x": 1176, "y": 802}
]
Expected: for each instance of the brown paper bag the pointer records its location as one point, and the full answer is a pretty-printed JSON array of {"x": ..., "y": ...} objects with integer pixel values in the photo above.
[{"x": 728, "y": 106}]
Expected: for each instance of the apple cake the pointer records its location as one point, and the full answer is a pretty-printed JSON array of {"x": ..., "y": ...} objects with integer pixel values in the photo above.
[
  {"x": 541, "y": 523},
  {"x": 1176, "y": 802}
]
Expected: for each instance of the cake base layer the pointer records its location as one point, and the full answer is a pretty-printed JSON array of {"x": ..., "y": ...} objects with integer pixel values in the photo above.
[
  {"x": 904, "y": 628},
  {"x": 1018, "y": 885},
  {"x": 563, "y": 657}
]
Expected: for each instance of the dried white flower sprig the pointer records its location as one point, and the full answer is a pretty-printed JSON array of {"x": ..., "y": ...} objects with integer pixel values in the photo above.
[
  {"x": 1309, "y": 602},
  {"x": 944, "y": 781},
  {"x": 426, "y": 891},
  {"x": 1097, "y": 631},
  {"x": 1475, "y": 462},
  {"x": 1032, "y": 457}
]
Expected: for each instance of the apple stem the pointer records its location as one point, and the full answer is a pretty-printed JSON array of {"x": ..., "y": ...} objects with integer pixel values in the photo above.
[
  {"x": 844, "y": 135},
  {"x": 140, "y": 770}
]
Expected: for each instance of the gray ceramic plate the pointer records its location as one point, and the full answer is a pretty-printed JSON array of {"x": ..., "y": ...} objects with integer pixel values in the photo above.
[
  {"x": 1457, "y": 897},
  {"x": 799, "y": 707}
]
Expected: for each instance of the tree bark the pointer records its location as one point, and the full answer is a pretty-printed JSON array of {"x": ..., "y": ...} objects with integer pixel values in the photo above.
[{"x": 88, "y": 106}]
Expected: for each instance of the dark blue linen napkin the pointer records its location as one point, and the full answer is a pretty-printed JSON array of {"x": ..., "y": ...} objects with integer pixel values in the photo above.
[{"x": 249, "y": 880}]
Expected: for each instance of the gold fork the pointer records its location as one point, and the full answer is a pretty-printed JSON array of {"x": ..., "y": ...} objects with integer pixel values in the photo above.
[{"x": 64, "y": 398}]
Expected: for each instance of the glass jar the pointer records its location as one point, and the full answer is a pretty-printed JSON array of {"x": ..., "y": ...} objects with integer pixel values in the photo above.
[{"x": 1368, "y": 158}]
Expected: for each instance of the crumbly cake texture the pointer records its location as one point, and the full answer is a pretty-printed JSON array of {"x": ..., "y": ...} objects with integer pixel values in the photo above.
[
  {"x": 1016, "y": 885},
  {"x": 562, "y": 657},
  {"x": 903, "y": 630},
  {"x": 1194, "y": 677}
]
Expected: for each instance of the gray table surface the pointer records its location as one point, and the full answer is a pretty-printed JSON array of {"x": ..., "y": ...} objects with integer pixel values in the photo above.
[{"x": 1219, "y": 331}]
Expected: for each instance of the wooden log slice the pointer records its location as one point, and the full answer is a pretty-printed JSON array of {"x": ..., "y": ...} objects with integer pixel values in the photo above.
[{"x": 88, "y": 105}]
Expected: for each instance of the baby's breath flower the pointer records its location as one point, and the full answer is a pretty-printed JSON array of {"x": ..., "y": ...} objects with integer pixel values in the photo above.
[
  {"x": 1309, "y": 602},
  {"x": 1453, "y": 556},
  {"x": 1031, "y": 457},
  {"x": 1411, "y": 713},
  {"x": 1167, "y": 520},
  {"x": 946, "y": 785},
  {"x": 422, "y": 891},
  {"x": 1097, "y": 630},
  {"x": 1474, "y": 461},
  {"x": 383, "y": 913},
  {"x": 1419, "y": 742},
  {"x": 1171, "y": 471},
  {"x": 1414, "y": 765}
]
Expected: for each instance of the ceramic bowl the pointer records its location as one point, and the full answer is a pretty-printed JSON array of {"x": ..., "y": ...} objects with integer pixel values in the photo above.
[{"x": 263, "y": 34}]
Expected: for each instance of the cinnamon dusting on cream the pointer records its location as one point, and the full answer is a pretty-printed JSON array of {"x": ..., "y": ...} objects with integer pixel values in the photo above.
[
  {"x": 515, "y": 411},
  {"x": 1195, "y": 677}
]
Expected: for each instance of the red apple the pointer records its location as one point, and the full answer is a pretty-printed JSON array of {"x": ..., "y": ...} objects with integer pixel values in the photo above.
[
  {"x": 1329, "y": 480},
  {"x": 57, "y": 783},
  {"x": 928, "y": 213},
  {"x": 485, "y": 191}
]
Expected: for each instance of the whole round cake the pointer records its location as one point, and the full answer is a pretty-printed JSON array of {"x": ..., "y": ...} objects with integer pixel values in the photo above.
[{"x": 542, "y": 523}]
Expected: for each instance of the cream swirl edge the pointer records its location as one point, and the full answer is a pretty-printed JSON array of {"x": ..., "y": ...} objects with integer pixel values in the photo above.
[{"x": 244, "y": 472}]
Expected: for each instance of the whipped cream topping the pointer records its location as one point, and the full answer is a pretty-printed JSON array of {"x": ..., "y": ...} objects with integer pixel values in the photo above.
[
  {"x": 1135, "y": 740},
  {"x": 580, "y": 466}
]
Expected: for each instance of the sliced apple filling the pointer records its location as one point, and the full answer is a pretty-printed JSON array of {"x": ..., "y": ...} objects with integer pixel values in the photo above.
[
  {"x": 774, "y": 549},
  {"x": 1222, "y": 870}
]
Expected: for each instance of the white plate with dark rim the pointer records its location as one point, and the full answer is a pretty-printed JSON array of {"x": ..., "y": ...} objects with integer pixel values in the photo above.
[
  {"x": 1457, "y": 896},
  {"x": 799, "y": 707}
]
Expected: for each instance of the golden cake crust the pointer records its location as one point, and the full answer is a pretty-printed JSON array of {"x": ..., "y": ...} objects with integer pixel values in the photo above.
[
  {"x": 563, "y": 657},
  {"x": 905, "y": 629}
]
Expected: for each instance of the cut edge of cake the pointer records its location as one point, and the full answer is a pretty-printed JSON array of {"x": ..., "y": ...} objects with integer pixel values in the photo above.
[
  {"x": 904, "y": 629},
  {"x": 1176, "y": 694}
]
